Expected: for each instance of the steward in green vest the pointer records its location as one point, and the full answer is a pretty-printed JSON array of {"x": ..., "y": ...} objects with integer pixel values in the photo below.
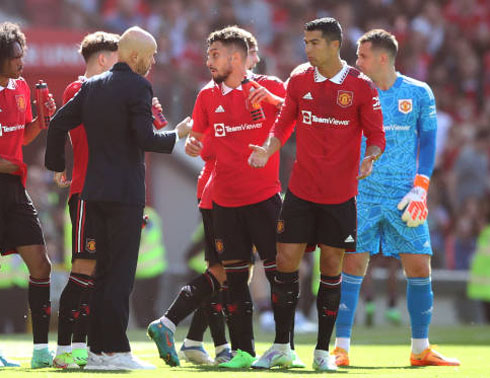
[
  {"x": 479, "y": 282},
  {"x": 151, "y": 265}
]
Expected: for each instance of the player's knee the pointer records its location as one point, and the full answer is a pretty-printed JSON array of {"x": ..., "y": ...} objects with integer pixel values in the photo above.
[
  {"x": 42, "y": 269},
  {"x": 355, "y": 263},
  {"x": 83, "y": 266},
  {"x": 218, "y": 272},
  {"x": 416, "y": 266},
  {"x": 287, "y": 262}
]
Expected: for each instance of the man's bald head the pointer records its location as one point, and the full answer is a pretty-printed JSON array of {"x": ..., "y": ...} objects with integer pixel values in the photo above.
[{"x": 137, "y": 48}]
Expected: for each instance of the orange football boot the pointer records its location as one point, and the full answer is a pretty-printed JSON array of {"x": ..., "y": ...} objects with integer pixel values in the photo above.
[
  {"x": 430, "y": 357},
  {"x": 341, "y": 356}
]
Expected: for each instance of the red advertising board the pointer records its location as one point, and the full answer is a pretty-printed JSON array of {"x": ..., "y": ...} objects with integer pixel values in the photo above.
[{"x": 52, "y": 55}]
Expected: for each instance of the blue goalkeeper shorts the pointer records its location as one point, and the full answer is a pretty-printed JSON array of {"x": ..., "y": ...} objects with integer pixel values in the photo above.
[{"x": 380, "y": 228}]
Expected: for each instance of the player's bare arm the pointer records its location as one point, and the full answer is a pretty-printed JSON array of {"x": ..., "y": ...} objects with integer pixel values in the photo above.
[
  {"x": 261, "y": 154},
  {"x": 372, "y": 154}
]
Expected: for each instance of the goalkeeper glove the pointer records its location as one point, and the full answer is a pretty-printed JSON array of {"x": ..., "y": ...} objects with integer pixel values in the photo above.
[{"x": 415, "y": 202}]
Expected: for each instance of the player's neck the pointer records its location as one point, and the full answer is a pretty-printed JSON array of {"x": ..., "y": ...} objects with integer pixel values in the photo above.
[
  {"x": 235, "y": 79},
  {"x": 330, "y": 69},
  {"x": 386, "y": 80},
  {"x": 92, "y": 70}
]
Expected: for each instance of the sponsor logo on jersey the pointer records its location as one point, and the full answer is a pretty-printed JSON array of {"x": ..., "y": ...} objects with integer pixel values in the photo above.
[
  {"x": 220, "y": 129},
  {"x": 405, "y": 105},
  {"x": 21, "y": 102},
  {"x": 9, "y": 129},
  {"x": 344, "y": 98},
  {"x": 308, "y": 96},
  {"x": 220, "y": 247},
  {"x": 396, "y": 127},
  {"x": 376, "y": 103},
  {"x": 309, "y": 118},
  {"x": 219, "y": 109}
]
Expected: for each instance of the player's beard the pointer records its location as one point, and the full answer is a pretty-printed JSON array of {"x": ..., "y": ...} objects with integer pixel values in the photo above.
[{"x": 219, "y": 78}]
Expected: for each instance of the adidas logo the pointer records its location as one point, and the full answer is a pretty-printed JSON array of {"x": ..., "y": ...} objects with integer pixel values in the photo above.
[
  {"x": 349, "y": 239},
  {"x": 219, "y": 109},
  {"x": 343, "y": 307},
  {"x": 308, "y": 96},
  {"x": 427, "y": 244}
]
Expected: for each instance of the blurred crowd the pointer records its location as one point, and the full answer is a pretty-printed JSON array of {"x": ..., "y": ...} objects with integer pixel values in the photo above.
[{"x": 443, "y": 42}]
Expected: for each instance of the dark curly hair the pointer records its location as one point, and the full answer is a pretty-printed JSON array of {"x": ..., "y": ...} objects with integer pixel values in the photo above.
[{"x": 9, "y": 34}]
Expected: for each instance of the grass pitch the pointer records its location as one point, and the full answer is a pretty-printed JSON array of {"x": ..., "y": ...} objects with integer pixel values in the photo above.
[{"x": 376, "y": 352}]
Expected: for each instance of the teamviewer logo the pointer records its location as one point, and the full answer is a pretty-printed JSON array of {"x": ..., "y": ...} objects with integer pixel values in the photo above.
[
  {"x": 306, "y": 117},
  {"x": 219, "y": 130}
]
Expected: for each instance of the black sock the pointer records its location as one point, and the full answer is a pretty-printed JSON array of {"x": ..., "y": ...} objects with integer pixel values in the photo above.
[
  {"x": 216, "y": 321},
  {"x": 228, "y": 318},
  {"x": 284, "y": 299},
  {"x": 199, "y": 323},
  {"x": 270, "y": 269},
  {"x": 40, "y": 305},
  {"x": 69, "y": 308},
  {"x": 240, "y": 308},
  {"x": 327, "y": 303},
  {"x": 191, "y": 296},
  {"x": 81, "y": 325}
]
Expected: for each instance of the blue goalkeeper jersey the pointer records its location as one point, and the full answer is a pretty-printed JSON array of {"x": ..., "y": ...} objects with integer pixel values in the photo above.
[{"x": 409, "y": 121}]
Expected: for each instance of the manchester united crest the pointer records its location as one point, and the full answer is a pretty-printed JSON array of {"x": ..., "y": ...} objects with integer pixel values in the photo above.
[
  {"x": 90, "y": 245},
  {"x": 280, "y": 226},
  {"x": 220, "y": 247},
  {"x": 405, "y": 105},
  {"x": 345, "y": 98},
  {"x": 21, "y": 102}
]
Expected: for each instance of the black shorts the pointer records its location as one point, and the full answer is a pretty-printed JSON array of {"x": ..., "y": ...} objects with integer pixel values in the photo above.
[
  {"x": 83, "y": 245},
  {"x": 210, "y": 254},
  {"x": 19, "y": 222},
  {"x": 238, "y": 229},
  {"x": 303, "y": 221}
]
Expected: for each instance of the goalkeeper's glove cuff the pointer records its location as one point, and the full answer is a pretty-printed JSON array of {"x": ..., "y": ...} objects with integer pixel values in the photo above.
[{"x": 422, "y": 181}]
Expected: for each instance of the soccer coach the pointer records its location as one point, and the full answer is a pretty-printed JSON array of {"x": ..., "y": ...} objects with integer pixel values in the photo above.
[{"x": 115, "y": 109}]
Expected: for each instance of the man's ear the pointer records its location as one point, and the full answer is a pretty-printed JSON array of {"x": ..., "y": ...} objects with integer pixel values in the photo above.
[{"x": 101, "y": 59}]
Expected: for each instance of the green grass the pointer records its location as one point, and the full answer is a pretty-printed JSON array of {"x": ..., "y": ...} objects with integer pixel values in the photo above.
[{"x": 376, "y": 352}]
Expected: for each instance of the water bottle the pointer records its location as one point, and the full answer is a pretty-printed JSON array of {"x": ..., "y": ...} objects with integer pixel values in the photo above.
[
  {"x": 42, "y": 97},
  {"x": 256, "y": 110},
  {"x": 159, "y": 120}
]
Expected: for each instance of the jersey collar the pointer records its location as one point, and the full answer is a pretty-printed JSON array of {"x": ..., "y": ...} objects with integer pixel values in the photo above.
[
  {"x": 10, "y": 85},
  {"x": 337, "y": 79},
  {"x": 226, "y": 89}
]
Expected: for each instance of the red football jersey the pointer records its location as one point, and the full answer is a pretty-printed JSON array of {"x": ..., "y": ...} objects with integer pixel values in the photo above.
[
  {"x": 209, "y": 156},
  {"x": 207, "y": 193},
  {"x": 15, "y": 114},
  {"x": 222, "y": 112},
  {"x": 78, "y": 139},
  {"x": 331, "y": 115}
]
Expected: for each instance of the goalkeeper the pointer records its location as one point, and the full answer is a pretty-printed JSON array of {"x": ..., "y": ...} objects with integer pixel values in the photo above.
[{"x": 391, "y": 207}]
